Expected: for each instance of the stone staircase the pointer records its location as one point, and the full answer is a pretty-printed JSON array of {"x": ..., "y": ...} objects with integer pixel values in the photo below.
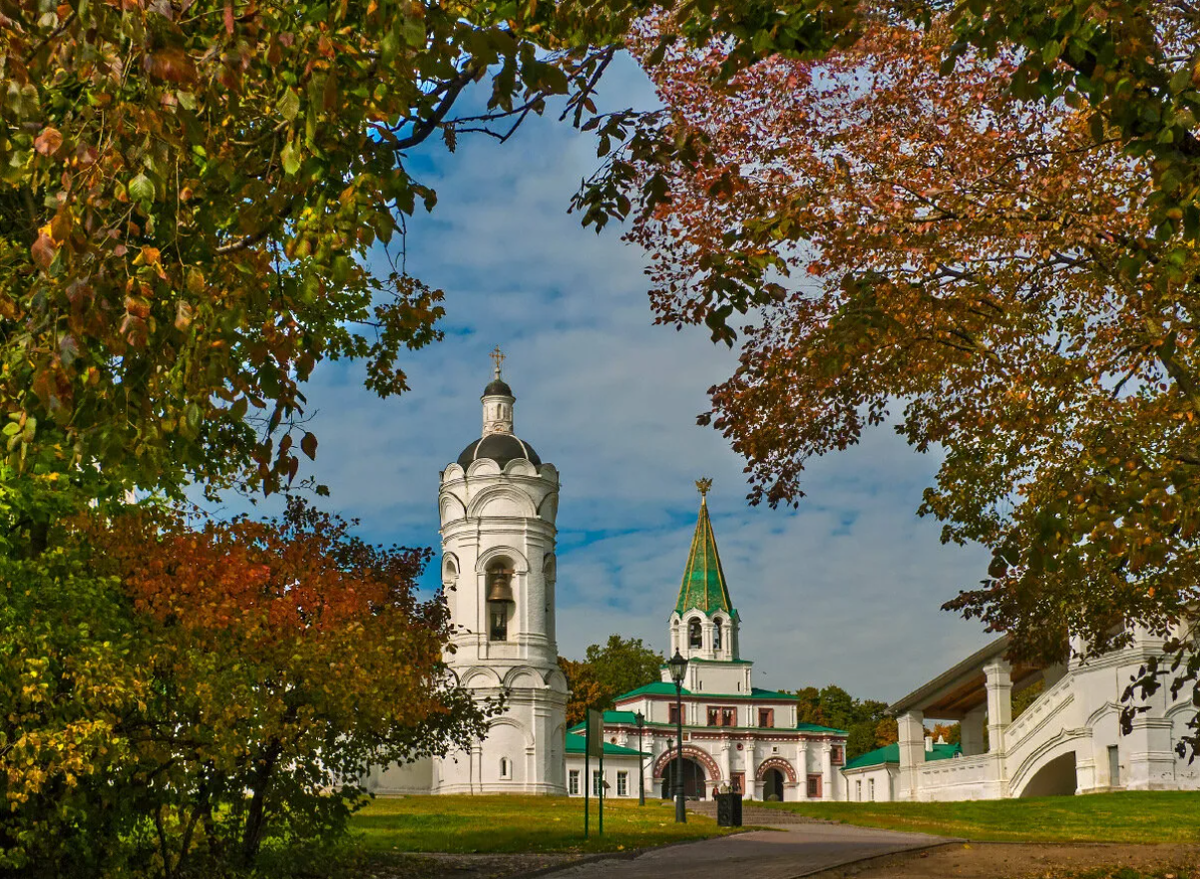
[{"x": 754, "y": 813}]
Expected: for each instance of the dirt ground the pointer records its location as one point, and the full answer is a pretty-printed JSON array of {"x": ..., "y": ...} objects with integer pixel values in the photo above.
[
  {"x": 441, "y": 866},
  {"x": 958, "y": 861},
  {"x": 985, "y": 860}
]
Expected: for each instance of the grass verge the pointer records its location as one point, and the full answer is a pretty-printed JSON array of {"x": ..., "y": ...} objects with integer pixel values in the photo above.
[
  {"x": 467, "y": 824},
  {"x": 1130, "y": 817}
]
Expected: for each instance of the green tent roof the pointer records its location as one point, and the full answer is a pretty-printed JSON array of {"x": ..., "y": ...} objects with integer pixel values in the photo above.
[
  {"x": 577, "y": 743},
  {"x": 891, "y": 754},
  {"x": 703, "y": 583}
]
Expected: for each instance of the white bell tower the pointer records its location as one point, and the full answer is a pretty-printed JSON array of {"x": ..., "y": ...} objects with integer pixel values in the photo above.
[{"x": 498, "y": 504}]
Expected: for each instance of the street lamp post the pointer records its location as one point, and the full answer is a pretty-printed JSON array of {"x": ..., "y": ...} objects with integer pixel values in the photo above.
[
  {"x": 641, "y": 723},
  {"x": 678, "y": 666}
]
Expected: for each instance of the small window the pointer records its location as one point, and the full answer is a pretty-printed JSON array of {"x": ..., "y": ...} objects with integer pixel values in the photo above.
[
  {"x": 836, "y": 755},
  {"x": 814, "y": 787},
  {"x": 712, "y": 716},
  {"x": 673, "y": 713},
  {"x": 597, "y": 782},
  {"x": 573, "y": 782},
  {"x": 505, "y": 767},
  {"x": 622, "y": 784},
  {"x": 728, "y": 717},
  {"x": 695, "y": 639},
  {"x": 871, "y": 789},
  {"x": 766, "y": 717},
  {"x": 717, "y": 636},
  {"x": 858, "y": 790}
]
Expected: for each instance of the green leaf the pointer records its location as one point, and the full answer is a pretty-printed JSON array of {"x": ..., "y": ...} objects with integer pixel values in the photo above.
[
  {"x": 141, "y": 188},
  {"x": 291, "y": 162},
  {"x": 414, "y": 32},
  {"x": 289, "y": 104}
]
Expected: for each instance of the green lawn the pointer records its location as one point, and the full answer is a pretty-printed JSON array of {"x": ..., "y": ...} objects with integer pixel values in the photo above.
[
  {"x": 518, "y": 824},
  {"x": 1158, "y": 816}
]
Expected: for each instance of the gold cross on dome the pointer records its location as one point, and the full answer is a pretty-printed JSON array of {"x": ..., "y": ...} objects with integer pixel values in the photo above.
[
  {"x": 497, "y": 358},
  {"x": 703, "y": 485}
]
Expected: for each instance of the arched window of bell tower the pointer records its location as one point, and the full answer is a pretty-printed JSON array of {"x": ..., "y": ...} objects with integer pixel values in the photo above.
[
  {"x": 500, "y": 598},
  {"x": 695, "y": 636},
  {"x": 717, "y": 634},
  {"x": 450, "y": 581}
]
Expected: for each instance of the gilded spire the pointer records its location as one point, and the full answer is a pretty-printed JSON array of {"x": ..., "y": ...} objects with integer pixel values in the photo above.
[{"x": 703, "y": 583}]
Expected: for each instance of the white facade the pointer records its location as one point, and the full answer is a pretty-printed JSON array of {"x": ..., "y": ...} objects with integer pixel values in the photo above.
[
  {"x": 498, "y": 505},
  {"x": 1067, "y": 741}
]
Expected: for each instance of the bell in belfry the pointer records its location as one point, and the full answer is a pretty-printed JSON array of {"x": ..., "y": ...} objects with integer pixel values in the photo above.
[{"x": 500, "y": 587}]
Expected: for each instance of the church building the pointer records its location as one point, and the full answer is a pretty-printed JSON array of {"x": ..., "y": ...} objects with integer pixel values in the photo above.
[
  {"x": 498, "y": 503},
  {"x": 735, "y": 735}
]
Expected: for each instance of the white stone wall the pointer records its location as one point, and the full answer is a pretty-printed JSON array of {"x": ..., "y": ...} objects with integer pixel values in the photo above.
[
  {"x": 398, "y": 780},
  {"x": 613, "y": 766},
  {"x": 878, "y": 784}
]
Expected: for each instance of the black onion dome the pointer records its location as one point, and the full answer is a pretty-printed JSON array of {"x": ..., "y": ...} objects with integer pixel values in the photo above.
[
  {"x": 501, "y": 448},
  {"x": 497, "y": 387}
]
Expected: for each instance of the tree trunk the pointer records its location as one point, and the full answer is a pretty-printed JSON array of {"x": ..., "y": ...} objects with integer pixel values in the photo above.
[{"x": 256, "y": 816}]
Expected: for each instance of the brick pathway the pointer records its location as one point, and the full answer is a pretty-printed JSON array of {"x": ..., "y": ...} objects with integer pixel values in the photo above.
[{"x": 788, "y": 851}]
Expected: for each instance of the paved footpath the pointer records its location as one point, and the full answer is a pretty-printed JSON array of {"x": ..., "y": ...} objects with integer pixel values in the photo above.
[{"x": 787, "y": 851}]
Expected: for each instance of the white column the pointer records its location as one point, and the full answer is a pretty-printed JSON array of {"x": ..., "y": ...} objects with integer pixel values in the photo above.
[
  {"x": 972, "y": 732},
  {"x": 912, "y": 751},
  {"x": 827, "y": 791},
  {"x": 802, "y": 770},
  {"x": 726, "y": 764},
  {"x": 999, "y": 702},
  {"x": 749, "y": 766}
]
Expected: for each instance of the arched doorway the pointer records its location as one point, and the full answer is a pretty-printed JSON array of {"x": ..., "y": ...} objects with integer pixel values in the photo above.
[
  {"x": 693, "y": 780},
  {"x": 773, "y": 785},
  {"x": 1055, "y": 779}
]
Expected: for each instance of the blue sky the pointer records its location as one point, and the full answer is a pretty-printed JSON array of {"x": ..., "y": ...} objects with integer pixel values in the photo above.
[{"x": 844, "y": 590}]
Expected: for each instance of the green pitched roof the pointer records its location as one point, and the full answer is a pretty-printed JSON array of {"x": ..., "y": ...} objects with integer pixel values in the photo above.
[
  {"x": 609, "y": 717},
  {"x": 703, "y": 583},
  {"x": 891, "y": 754},
  {"x": 576, "y": 744},
  {"x": 656, "y": 688},
  {"x": 816, "y": 727},
  {"x": 662, "y": 688}
]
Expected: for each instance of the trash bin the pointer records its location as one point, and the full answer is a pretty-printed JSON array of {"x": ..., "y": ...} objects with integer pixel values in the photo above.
[{"x": 729, "y": 810}]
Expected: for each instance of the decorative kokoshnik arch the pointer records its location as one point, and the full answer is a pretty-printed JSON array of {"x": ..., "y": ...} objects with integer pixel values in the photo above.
[
  {"x": 775, "y": 763},
  {"x": 692, "y": 753}
]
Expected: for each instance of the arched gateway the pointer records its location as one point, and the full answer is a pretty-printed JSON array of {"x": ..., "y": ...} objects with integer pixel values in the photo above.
[
  {"x": 699, "y": 772},
  {"x": 772, "y": 773}
]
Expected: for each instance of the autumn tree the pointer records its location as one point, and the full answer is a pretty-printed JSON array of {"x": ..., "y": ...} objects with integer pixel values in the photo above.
[
  {"x": 188, "y": 194},
  {"x": 263, "y": 666},
  {"x": 832, "y": 706},
  {"x": 608, "y": 670},
  {"x": 981, "y": 271}
]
